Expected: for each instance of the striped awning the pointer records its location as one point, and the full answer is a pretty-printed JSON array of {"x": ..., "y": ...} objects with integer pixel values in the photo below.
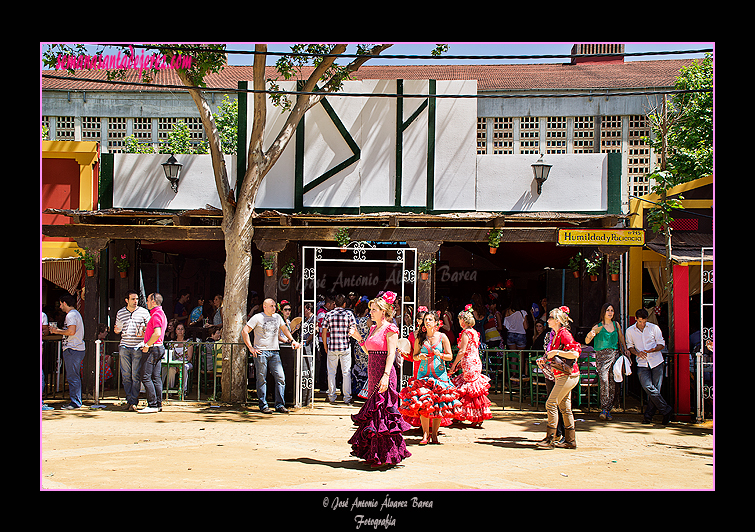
[{"x": 65, "y": 273}]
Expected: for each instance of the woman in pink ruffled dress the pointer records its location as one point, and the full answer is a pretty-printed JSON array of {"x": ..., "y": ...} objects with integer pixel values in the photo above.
[
  {"x": 472, "y": 385},
  {"x": 378, "y": 438}
]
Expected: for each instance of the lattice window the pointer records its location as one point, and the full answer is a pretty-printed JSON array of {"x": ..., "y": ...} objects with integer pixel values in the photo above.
[
  {"x": 638, "y": 161},
  {"x": 584, "y": 134},
  {"x": 503, "y": 136},
  {"x": 555, "y": 134},
  {"x": 116, "y": 132},
  {"x": 482, "y": 136},
  {"x": 610, "y": 134},
  {"x": 90, "y": 128},
  {"x": 143, "y": 129},
  {"x": 529, "y": 134},
  {"x": 196, "y": 131},
  {"x": 64, "y": 128}
]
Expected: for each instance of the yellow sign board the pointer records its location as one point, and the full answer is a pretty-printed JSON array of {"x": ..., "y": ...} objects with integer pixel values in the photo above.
[{"x": 601, "y": 237}]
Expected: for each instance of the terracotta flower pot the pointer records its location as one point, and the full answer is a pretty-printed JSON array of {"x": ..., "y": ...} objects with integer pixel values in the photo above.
[
  {"x": 284, "y": 281},
  {"x": 123, "y": 274},
  {"x": 593, "y": 278},
  {"x": 90, "y": 273},
  {"x": 269, "y": 273},
  {"x": 493, "y": 250},
  {"x": 614, "y": 276},
  {"x": 424, "y": 275},
  {"x": 576, "y": 275}
]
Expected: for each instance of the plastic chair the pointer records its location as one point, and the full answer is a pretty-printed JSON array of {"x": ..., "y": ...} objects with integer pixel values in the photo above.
[
  {"x": 538, "y": 387},
  {"x": 589, "y": 383},
  {"x": 515, "y": 377}
]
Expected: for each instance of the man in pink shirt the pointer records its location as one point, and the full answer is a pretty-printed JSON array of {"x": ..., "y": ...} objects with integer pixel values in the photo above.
[{"x": 153, "y": 346}]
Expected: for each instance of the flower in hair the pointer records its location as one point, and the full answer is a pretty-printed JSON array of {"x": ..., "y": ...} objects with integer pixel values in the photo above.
[
  {"x": 564, "y": 309},
  {"x": 422, "y": 309},
  {"x": 389, "y": 297},
  {"x": 468, "y": 307}
]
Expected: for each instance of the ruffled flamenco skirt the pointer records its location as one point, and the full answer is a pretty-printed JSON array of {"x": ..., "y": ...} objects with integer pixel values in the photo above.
[
  {"x": 378, "y": 438},
  {"x": 473, "y": 394},
  {"x": 424, "y": 397}
]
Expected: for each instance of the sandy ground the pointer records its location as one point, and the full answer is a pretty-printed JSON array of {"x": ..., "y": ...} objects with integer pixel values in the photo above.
[{"x": 205, "y": 446}]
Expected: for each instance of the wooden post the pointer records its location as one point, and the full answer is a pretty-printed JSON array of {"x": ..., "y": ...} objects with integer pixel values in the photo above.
[{"x": 91, "y": 312}]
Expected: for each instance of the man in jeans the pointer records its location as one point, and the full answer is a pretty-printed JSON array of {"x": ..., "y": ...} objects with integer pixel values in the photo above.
[
  {"x": 73, "y": 349},
  {"x": 154, "y": 350},
  {"x": 266, "y": 352},
  {"x": 131, "y": 322},
  {"x": 645, "y": 342},
  {"x": 337, "y": 345}
]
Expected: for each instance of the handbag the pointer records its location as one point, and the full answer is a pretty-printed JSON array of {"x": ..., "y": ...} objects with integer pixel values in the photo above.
[{"x": 561, "y": 365}]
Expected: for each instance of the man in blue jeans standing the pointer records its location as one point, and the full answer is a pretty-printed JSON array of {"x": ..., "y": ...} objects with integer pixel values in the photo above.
[
  {"x": 153, "y": 350},
  {"x": 131, "y": 322},
  {"x": 73, "y": 349},
  {"x": 645, "y": 342},
  {"x": 266, "y": 353}
]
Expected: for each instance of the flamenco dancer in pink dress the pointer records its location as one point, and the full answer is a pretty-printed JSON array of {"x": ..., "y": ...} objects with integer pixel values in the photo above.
[
  {"x": 472, "y": 385},
  {"x": 378, "y": 438}
]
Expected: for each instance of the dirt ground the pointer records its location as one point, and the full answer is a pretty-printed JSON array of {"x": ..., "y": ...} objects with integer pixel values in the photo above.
[{"x": 209, "y": 446}]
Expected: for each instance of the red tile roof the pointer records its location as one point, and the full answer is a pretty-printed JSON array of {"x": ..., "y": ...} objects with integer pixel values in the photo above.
[{"x": 628, "y": 75}]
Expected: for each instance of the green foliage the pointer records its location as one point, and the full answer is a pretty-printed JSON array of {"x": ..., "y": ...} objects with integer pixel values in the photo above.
[
  {"x": 267, "y": 262},
  {"x": 494, "y": 237},
  {"x": 593, "y": 264},
  {"x": 690, "y": 117},
  {"x": 90, "y": 261},
  {"x": 227, "y": 121},
  {"x": 342, "y": 236},
  {"x": 426, "y": 265},
  {"x": 288, "y": 268},
  {"x": 575, "y": 262}
]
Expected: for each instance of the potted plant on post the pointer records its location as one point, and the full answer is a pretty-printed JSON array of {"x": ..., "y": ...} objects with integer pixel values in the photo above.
[
  {"x": 90, "y": 261},
  {"x": 343, "y": 238},
  {"x": 424, "y": 268},
  {"x": 122, "y": 264},
  {"x": 268, "y": 264},
  {"x": 574, "y": 263},
  {"x": 286, "y": 271},
  {"x": 613, "y": 268},
  {"x": 592, "y": 266},
  {"x": 494, "y": 239}
]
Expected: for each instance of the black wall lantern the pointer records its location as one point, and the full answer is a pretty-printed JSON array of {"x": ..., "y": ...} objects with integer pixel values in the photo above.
[
  {"x": 172, "y": 168},
  {"x": 541, "y": 171}
]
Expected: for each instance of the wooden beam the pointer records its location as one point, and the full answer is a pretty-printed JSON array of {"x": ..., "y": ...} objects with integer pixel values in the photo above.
[{"x": 298, "y": 233}]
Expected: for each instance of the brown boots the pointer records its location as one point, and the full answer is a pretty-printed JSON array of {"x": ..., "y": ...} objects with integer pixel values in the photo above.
[
  {"x": 549, "y": 442},
  {"x": 570, "y": 439}
]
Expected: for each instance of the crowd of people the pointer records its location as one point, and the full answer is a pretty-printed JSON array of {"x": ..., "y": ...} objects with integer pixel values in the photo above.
[{"x": 362, "y": 337}]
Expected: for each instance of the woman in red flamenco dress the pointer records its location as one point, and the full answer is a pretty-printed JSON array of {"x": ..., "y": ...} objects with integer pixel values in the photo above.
[{"x": 472, "y": 385}]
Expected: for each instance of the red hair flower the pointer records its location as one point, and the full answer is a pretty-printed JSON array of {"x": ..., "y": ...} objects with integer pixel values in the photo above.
[{"x": 389, "y": 297}]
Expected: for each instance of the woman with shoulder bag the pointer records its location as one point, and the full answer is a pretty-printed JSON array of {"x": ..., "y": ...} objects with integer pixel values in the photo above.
[
  {"x": 562, "y": 353},
  {"x": 609, "y": 346}
]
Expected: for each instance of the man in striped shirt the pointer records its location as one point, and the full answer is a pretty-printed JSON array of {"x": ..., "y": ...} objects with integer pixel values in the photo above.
[
  {"x": 130, "y": 322},
  {"x": 337, "y": 344}
]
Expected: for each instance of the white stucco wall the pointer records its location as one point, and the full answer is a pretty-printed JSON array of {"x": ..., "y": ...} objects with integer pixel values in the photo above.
[
  {"x": 139, "y": 182},
  {"x": 577, "y": 182}
]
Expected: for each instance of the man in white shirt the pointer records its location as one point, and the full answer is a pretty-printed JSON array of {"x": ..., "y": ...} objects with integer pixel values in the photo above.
[
  {"x": 645, "y": 342},
  {"x": 73, "y": 349},
  {"x": 266, "y": 352},
  {"x": 130, "y": 323}
]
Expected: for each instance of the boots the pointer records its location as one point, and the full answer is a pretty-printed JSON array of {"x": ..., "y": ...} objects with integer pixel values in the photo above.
[
  {"x": 570, "y": 440},
  {"x": 548, "y": 441}
]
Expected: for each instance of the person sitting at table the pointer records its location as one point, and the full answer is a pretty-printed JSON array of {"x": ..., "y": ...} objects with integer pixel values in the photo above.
[{"x": 181, "y": 351}]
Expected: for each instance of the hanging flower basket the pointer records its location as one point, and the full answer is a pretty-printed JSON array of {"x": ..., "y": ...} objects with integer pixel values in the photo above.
[
  {"x": 267, "y": 264},
  {"x": 494, "y": 240},
  {"x": 343, "y": 238},
  {"x": 424, "y": 268}
]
